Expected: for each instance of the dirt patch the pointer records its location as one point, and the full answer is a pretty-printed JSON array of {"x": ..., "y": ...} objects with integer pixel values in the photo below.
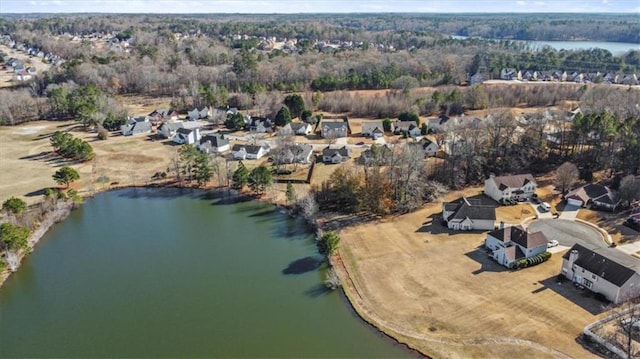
[{"x": 419, "y": 279}]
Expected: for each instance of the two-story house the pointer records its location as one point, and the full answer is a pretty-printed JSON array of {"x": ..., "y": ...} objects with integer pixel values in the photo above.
[
  {"x": 511, "y": 244},
  {"x": 512, "y": 187},
  {"x": 603, "y": 270}
]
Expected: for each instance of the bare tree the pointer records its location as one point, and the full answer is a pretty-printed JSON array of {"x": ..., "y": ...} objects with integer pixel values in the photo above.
[
  {"x": 629, "y": 190},
  {"x": 566, "y": 176}
]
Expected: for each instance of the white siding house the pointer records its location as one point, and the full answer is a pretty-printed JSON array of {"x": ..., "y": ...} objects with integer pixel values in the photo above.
[
  {"x": 189, "y": 136},
  {"x": 593, "y": 195},
  {"x": 243, "y": 152},
  {"x": 373, "y": 129},
  {"x": 507, "y": 245},
  {"x": 603, "y": 270},
  {"x": 466, "y": 215},
  {"x": 510, "y": 187}
]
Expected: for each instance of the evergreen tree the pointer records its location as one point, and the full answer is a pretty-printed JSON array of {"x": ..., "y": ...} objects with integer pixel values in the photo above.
[
  {"x": 291, "y": 193},
  {"x": 240, "y": 176},
  {"x": 283, "y": 116}
]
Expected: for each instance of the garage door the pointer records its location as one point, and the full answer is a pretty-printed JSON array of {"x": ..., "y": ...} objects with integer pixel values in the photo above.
[{"x": 574, "y": 202}]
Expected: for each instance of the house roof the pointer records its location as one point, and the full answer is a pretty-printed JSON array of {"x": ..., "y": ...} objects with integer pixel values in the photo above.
[
  {"x": 594, "y": 192},
  {"x": 297, "y": 126},
  {"x": 466, "y": 209},
  {"x": 184, "y": 131},
  {"x": 599, "y": 262},
  {"x": 513, "y": 253},
  {"x": 371, "y": 126},
  {"x": 518, "y": 235},
  {"x": 405, "y": 125},
  {"x": 138, "y": 127},
  {"x": 330, "y": 152},
  {"x": 426, "y": 142},
  {"x": 215, "y": 140},
  {"x": 172, "y": 126},
  {"x": 253, "y": 149},
  {"x": 334, "y": 125},
  {"x": 513, "y": 181}
]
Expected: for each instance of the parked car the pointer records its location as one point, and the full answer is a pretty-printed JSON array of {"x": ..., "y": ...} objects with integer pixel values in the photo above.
[
  {"x": 552, "y": 243},
  {"x": 545, "y": 206},
  {"x": 535, "y": 200}
]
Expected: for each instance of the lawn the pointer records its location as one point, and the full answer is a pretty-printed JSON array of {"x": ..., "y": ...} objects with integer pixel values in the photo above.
[
  {"x": 612, "y": 223},
  {"x": 425, "y": 285}
]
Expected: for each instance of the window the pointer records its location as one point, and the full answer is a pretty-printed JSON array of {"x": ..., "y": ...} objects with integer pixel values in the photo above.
[
  {"x": 587, "y": 283},
  {"x": 593, "y": 276}
]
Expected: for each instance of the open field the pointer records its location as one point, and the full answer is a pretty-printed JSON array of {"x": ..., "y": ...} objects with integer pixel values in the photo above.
[
  {"x": 435, "y": 290},
  {"x": 28, "y": 163},
  {"x": 6, "y": 76}
]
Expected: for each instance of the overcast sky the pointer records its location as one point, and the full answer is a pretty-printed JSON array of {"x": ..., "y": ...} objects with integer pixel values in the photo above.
[{"x": 317, "y": 6}]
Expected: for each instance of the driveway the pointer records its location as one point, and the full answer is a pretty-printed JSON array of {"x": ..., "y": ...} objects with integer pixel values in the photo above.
[
  {"x": 541, "y": 213},
  {"x": 567, "y": 233},
  {"x": 569, "y": 212},
  {"x": 630, "y": 248}
]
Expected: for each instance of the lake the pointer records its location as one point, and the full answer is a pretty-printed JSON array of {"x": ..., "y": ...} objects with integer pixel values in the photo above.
[
  {"x": 172, "y": 273},
  {"x": 616, "y": 48}
]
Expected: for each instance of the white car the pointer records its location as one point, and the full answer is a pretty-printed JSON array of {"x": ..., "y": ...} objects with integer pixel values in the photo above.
[
  {"x": 552, "y": 243},
  {"x": 545, "y": 206}
]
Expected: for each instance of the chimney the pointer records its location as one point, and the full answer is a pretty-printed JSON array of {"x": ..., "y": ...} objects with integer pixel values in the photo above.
[
  {"x": 573, "y": 256},
  {"x": 501, "y": 224}
]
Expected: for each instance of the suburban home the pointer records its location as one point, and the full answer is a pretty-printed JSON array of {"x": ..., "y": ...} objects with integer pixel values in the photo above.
[
  {"x": 213, "y": 144},
  {"x": 429, "y": 147},
  {"x": 169, "y": 129},
  {"x": 512, "y": 187},
  {"x": 410, "y": 127},
  {"x": 377, "y": 155},
  {"x": 336, "y": 155},
  {"x": 243, "y": 152},
  {"x": 510, "y": 74},
  {"x": 603, "y": 270},
  {"x": 300, "y": 128},
  {"x": 593, "y": 196},
  {"x": 296, "y": 153},
  {"x": 259, "y": 124},
  {"x": 467, "y": 215},
  {"x": 189, "y": 136},
  {"x": 334, "y": 129},
  {"x": 373, "y": 129},
  {"x": 196, "y": 114},
  {"x": 22, "y": 76},
  {"x": 510, "y": 244},
  {"x": 163, "y": 115},
  {"x": 136, "y": 126}
]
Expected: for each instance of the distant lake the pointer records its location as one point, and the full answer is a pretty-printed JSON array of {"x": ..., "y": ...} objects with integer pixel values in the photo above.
[
  {"x": 171, "y": 273},
  {"x": 616, "y": 48}
]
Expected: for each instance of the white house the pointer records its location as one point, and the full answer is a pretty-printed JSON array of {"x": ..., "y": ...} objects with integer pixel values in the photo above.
[
  {"x": 334, "y": 129},
  {"x": 213, "y": 144},
  {"x": 467, "y": 215},
  {"x": 410, "y": 127},
  {"x": 169, "y": 129},
  {"x": 189, "y": 136},
  {"x": 259, "y": 124},
  {"x": 603, "y": 270},
  {"x": 295, "y": 153},
  {"x": 593, "y": 195},
  {"x": 373, "y": 129},
  {"x": 429, "y": 147},
  {"x": 510, "y": 187},
  {"x": 165, "y": 114},
  {"x": 243, "y": 152},
  {"x": 336, "y": 155},
  {"x": 300, "y": 128},
  {"x": 510, "y": 244}
]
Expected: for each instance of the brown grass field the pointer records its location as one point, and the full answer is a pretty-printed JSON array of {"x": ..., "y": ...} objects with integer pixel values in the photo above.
[
  {"x": 28, "y": 162},
  {"x": 436, "y": 290}
]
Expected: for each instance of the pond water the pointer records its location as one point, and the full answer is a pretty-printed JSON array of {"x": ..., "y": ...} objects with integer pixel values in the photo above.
[
  {"x": 172, "y": 273},
  {"x": 616, "y": 48}
]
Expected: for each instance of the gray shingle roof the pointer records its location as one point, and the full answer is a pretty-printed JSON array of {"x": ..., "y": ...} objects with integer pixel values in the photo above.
[
  {"x": 518, "y": 235},
  {"x": 215, "y": 140},
  {"x": 513, "y": 181},
  {"x": 466, "y": 209},
  {"x": 253, "y": 149},
  {"x": 343, "y": 151}
]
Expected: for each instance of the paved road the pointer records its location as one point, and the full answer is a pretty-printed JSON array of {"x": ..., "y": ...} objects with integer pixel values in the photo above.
[
  {"x": 569, "y": 212},
  {"x": 567, "y": 233}
]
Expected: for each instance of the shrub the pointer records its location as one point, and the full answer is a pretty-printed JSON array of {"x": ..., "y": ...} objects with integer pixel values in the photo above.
[
  {"x": 103, "y": 134},
  {"x": 528, "y": 262}
]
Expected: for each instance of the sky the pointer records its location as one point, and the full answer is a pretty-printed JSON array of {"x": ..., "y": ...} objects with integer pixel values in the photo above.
[{"x": 318, "y": 6}]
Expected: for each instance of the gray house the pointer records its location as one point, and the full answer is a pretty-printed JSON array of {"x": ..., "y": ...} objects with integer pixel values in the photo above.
[
  {"x": 336, "y": 155},
  {"x": 169, "y": 129},
  {"x": 334, "y": 129},
  {"x": 134, "y": 127},
  {"x": 373, "y": 129}
]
